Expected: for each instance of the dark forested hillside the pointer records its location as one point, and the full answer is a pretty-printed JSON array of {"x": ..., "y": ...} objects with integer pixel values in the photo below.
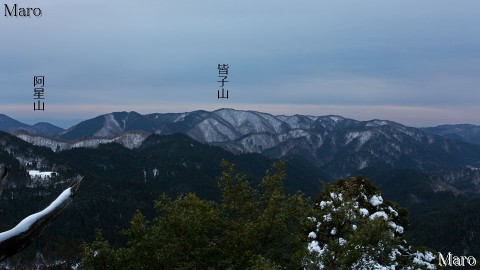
[
  {"x": 118, "y": 181},
  {"x": 447, "y": 222}
]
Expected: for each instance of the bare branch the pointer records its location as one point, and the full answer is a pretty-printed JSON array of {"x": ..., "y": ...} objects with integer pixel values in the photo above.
[
  {"x": 22, "y": 235},
  {"x": 4, "y": 173}
]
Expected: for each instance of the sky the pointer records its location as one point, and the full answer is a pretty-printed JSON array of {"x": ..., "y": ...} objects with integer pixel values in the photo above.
[{"x": 413, "y": 62}]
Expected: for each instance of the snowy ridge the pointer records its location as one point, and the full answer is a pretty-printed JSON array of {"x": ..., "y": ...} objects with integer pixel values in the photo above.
[
  {"x": 321, "y": 138},
  {"x": 298, "y": 121},
  {"x": 250, "y": 122},
  {"x": 376, "y": 123},
  {"x": 129, "y": 140},
  {"x": 211, "y": 130}
]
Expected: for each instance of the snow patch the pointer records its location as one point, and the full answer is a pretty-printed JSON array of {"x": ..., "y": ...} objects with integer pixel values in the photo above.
[
  {"x": 110, "y": 127},
  {"x": 473, "y": 168},
  {"x": 314, "y": 247},
  {"x": 376, "y": 123},
  {"x": 376, "y": 200},
  {"x": 364, "y": 212},
  {"x": 379, "y": 214},
  {"x": 335, "y": 118},
  {"x": 399, "y": 229},
  {"x": 42, "y": 175},
  {"x": 363, "y": 137},
  {"x": 312, "y": 219},
  {"x": 395, "y": 213},
  {"x": 424, "y": 259},
  {"x": 322, "y": 204},
  {"x": 181, "y": 117}
]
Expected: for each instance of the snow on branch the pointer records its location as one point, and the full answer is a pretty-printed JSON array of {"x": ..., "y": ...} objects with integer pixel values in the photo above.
[{"x": 16, "y": 239}]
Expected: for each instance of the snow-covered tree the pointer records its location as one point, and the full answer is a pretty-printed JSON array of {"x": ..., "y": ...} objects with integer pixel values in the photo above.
[
  {"x": 351, "y": 226},
  {"x": 22, "y": 235},
  {"x": 355, "y": 228}
]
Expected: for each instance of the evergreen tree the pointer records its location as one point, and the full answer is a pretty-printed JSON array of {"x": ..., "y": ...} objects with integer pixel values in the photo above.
[
  {"x": 354, "y": 228},
  {"x": 251, "y": 228},
  {"x": 349, "y": 227}
]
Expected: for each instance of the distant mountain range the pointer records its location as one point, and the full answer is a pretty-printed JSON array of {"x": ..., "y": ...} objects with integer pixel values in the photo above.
[
  {"x": 464, "y": 132},
  {"x": 228, "y": 123},
  {"x": 338, "y": 145},
  {"x": 434, "y": 176}
]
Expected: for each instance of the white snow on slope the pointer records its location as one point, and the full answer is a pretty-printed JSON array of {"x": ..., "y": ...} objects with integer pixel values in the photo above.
[
  {"x": 293, "y": 134},
  {"x": 28, "y": 221},
  {"x": 129, "y": 140},
  {"x": 250, "y": 122},
  {"x": 297, "y": 121},
  {"x": 273, "y": 121},
  {"x": 473, "y": 168},
  {"x": 376, "y": 123},
  {"x": 42, "y": 141},
  {"x": 363, "y": 136},
  {"x": 213, "y": 131},
  {"x": 256, "y": 143},
  {"x": 110, "y": 127},
  {"x": 335, "y": 118},
  {"x": 42, "y": 175},
  {"x": 181, "y": 117}
]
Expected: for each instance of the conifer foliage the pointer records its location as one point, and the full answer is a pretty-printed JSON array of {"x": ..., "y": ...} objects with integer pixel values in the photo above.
[
  {"x": 355, "y": 228},
  {"x": 250, "y": 228},
  {"x": 350, "y": 226}
]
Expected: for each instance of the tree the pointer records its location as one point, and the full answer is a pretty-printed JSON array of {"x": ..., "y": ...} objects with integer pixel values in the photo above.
[
  {"x": 22, "y": 235},
  {"x": 350, "y": 226},
  {"x": 355, "y": 228},
  {"x": 250, "y": 228}
]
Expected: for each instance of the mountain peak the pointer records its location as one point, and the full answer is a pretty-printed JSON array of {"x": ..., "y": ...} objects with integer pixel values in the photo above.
[
  {"x": 11, "y": 125},
  {"x": 336, "y": 143}
]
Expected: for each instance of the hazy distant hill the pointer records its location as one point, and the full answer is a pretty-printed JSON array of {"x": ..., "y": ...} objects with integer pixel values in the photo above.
[
  {"x": 46, "y": 129},
  {"x": 11, "y": 125},
  {"x": 464, "y": 132}
]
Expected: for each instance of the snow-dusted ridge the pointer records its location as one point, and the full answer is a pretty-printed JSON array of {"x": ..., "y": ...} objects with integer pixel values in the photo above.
[
  {"x": 320, "y": 138},
  {"x": 129, "y": 140}
]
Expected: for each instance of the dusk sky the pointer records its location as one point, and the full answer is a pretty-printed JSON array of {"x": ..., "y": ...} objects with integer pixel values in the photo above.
[{"x": 413, "y": 62}]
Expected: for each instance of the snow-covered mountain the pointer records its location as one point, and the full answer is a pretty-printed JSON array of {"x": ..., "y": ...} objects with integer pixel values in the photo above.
[
  {"x": 129, "y": 140},
  {"x": 338, "y": 144}
]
